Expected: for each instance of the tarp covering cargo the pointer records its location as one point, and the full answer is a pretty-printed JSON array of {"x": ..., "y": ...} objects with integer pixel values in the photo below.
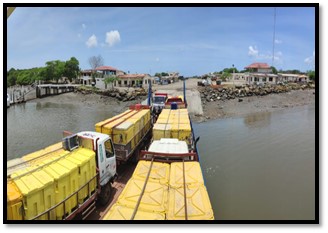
[
  {"x": 164, "y": 194},
  {"x": 126, "y": 130},
  {"x": 173, "y": 124}
]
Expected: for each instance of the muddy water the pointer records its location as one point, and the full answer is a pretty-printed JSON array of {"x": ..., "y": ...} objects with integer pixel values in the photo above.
[
  {"x": 257, "y": 167},
  {"x": 261, "y": 166}
]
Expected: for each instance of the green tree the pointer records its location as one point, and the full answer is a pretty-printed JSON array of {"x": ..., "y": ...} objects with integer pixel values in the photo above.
[
  {"x": 230, "y": 70},
  {"x": 311, "y": 74},
  {"x": 158, "y": 75},
  {"x": 54, "y": 70},
  {"x": 274, "y": 70},
  {"x": 71, "y": 69},
  {"x": 110, "y": 80},
  {"x": 225, "y": 76},
  {"x": 11, "y": 77}
]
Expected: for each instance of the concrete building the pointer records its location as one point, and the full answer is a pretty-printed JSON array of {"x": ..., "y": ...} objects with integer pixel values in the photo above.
[
  {"x": 262, "y": 73},
  {"x": 134, "y": 80}
]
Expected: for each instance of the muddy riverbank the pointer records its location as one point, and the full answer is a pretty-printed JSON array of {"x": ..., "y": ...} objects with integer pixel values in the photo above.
[
  {"x": 255, "y": 104},
  {"x": 200, "y": 110}
]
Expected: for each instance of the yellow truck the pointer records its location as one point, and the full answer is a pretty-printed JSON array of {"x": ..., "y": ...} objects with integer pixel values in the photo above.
[{"x": 64, "y": 181}]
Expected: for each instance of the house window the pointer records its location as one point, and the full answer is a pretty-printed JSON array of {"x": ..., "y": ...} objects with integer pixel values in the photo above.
[
  {"x": 270, "y": 79},
  {"x": 264, "y": 79},
  {"x": 256, "y": 79},
  {"x": 125, "y": 82}
]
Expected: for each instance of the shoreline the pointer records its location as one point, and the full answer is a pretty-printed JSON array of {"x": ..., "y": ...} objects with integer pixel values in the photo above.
[
  {"x": 255, "y": 104},
  {"x": 199, "y": 110}
]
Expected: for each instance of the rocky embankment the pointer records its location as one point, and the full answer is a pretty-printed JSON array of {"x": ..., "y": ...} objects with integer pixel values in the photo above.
[
  {"x": 221, "y": 93},
  {"x": 237, "y": 101},
  {"x": 120, "y": 95}
]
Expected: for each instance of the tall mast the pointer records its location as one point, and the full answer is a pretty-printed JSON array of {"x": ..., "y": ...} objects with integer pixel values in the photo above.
[{"x": 274, "y": 34}]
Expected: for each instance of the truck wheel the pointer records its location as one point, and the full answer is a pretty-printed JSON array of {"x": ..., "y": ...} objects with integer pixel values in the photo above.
[{"x": 105, "y": 194}]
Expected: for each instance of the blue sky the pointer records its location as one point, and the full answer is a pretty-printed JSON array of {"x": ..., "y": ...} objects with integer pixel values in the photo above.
[{"x": 192, "y": 41}]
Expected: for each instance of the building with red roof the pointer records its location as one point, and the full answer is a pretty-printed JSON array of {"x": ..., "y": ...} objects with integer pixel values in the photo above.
[{"x": 258, "y": 67}]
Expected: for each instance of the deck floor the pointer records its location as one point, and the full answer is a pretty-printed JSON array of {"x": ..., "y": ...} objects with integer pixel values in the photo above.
[{"x": 126, "y": 171}]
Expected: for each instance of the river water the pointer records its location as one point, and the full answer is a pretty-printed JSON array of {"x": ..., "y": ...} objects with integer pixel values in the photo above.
[{"x": 261, "y": 166}]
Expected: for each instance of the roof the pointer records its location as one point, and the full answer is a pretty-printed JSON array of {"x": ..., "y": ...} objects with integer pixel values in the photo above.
[
  {"x": 105, "y": 68},
  {"x": 169, "y": 145},
  {"x": 258, "y": 65},
  {"x": 132, "y": 76}
]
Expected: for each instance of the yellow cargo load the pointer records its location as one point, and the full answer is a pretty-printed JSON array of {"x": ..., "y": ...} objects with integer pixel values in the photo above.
[
  {"x": 14, "y": 202},
  {"x": 85, "y": 175},
  {"x": 161, "y": 131},
  {"x": 159, "y": 171},
  {"x": 16, "y": 165},
  {"x": 91, "y": 157},
  {"x": 154, "y": 198},
  {"x": 165, "y": 120},
  {"x": 107, "y": 125},
  {"x": 37, "y": 156},
  {"x": 61, "y": 175},
  {"x": 34, "y": 159},
  {"x": 119, "y": 212},
  {"x": 37, "y": 189},
  {"x": 193, "y": 174},
  {"x": 182, "y": 132},
  {"x": 123, "y": 133},
  {"x": 198, "y": 204},
  {"x": 73, "y": 178},
  {"x": 176, "y": 123}
]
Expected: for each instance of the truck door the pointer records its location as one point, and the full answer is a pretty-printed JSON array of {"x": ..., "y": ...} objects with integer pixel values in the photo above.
[{"x": 107, "y": 163}]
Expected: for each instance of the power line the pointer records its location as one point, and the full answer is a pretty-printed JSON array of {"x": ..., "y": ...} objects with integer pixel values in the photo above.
[{"x": 274, "y": 34}]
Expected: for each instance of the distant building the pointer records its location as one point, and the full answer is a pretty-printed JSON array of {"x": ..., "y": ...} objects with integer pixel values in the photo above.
[
  {"x": 100, "y": 73},
  {"x": 262, "y": 73},
  {"x": 134, "y": 80},
  {"x": 171, "y": 78},
  {"x": 257, "y": 67}
]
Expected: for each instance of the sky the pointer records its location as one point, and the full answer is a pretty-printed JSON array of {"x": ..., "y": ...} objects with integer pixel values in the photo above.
[{"x": 188, "y": 40}]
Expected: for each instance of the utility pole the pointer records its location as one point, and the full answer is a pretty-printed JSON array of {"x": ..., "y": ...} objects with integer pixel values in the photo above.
[{"x": 233, "y": 74}]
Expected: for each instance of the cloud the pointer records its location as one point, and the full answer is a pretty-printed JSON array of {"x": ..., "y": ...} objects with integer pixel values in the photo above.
[
  {"x": 79, "y": 35},
  {"x": 310, "y": 60},
  {"x": 252, "y": 51},
  {"x": 256, "y": 54},
  {"x": 84, "y": 26},
  {"x": 278, "y": 41},
  {"x": 157, "y": 59},
  {"x": 113, "y": 37},
  {"x": 92, "y": 41}
]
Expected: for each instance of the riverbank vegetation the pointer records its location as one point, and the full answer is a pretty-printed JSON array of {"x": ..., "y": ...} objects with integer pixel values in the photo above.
[{"x": 53, "y": 71}]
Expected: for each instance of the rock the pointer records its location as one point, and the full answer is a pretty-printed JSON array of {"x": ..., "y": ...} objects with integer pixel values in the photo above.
[
  {"x": 274, "y": 106},
  {"x": 208, "y": 99},
  {"x": 240, "y": 100},
  {"x": 218, "y": 98}
]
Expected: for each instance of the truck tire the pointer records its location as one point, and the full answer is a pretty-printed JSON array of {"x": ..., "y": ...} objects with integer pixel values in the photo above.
[{"x": 105, "y": 194}]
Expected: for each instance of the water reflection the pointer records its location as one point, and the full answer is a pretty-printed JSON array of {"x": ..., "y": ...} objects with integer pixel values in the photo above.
[{"x": 258, "y": 120}]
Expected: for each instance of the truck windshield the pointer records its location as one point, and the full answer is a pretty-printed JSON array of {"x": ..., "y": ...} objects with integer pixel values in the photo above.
[{"x": 159, "y": 99}]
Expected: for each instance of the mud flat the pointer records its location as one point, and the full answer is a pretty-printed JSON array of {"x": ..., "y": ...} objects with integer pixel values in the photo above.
[{"x": 255, "y": 104}]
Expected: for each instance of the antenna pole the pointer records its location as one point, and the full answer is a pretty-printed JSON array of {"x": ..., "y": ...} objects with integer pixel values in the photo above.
[{"x": 274, "y": 34}]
